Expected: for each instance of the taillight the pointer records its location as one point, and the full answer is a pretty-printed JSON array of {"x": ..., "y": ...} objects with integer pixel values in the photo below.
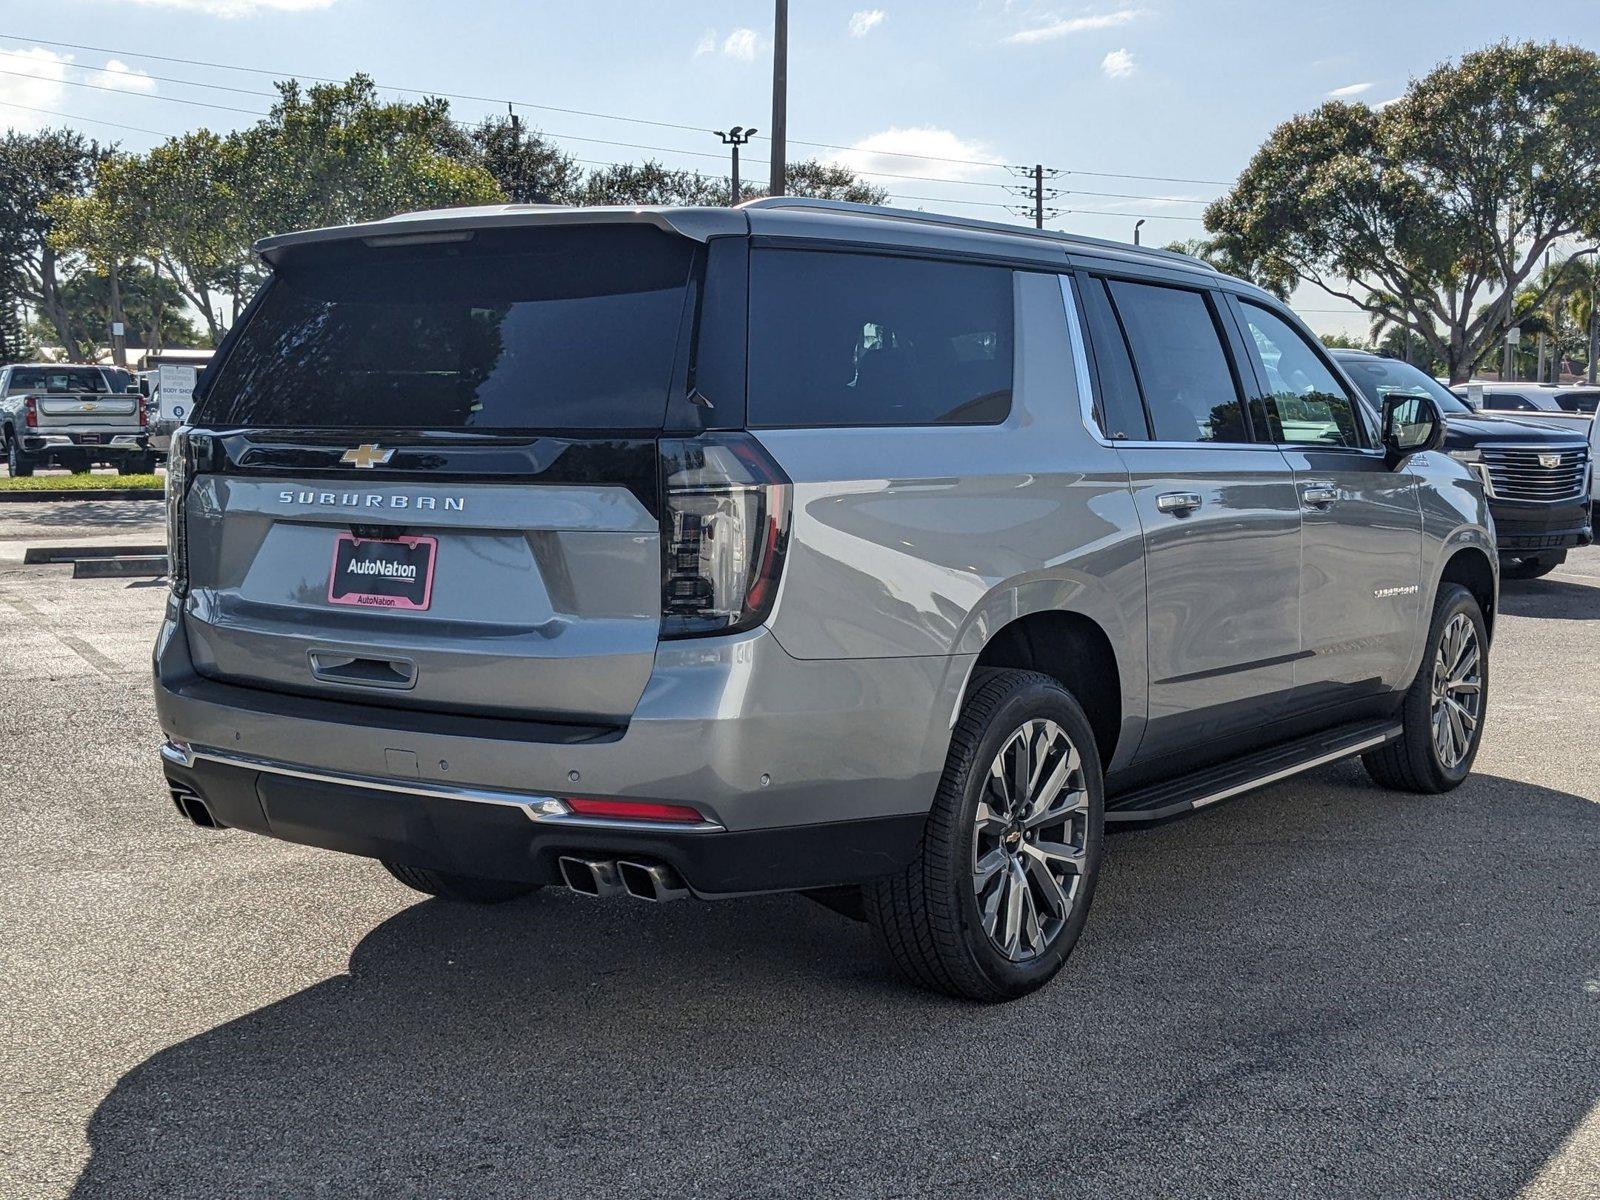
[
  {"x": 30, "y": 406},
  {"x": 635, "y": 810},
  {"x": 179, "y": 472},
  {"x": 724, "y": 533}
]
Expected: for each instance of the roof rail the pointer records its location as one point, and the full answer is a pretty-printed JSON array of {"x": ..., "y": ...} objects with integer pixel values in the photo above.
[{"x": 907, "y": 214}]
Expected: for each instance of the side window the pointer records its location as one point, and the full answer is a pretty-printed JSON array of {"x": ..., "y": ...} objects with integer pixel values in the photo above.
[
  {"x": 862, "y": 339},
  {"x": 1121, "y": 411},
  {"x": 1507, "y": 403},
  {"x": 1189, "y": 389},
  {"x": 1578, "y": 402},
  {"x": 1305, "y": 402}
]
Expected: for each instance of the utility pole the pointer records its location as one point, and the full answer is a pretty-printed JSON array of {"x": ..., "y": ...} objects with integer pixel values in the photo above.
[
  {"x": 780, "y": 98},
  {"x": 734, "y": 138},
  {"x": 1035, "y": 193}
]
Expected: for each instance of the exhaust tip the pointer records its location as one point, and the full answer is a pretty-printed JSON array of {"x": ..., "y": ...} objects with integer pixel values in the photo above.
[
  {"x": 652, "y": 881},
  {"x": 193, "y": 808},
  {"x": 590, "y": 876}
]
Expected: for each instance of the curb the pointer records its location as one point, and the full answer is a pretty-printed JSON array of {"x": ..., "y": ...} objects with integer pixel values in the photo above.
[
  {"x": 150, "y": 566},
  {"x": 41, "y": 494}
]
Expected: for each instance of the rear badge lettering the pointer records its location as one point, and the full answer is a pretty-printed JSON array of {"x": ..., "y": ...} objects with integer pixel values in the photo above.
[
  {"x": 374, "y": 500},
  {"x": 1409, "y": 589}
]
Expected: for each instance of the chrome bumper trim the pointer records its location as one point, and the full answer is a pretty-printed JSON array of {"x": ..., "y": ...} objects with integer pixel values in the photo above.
[{"x": 544, "y": 809}]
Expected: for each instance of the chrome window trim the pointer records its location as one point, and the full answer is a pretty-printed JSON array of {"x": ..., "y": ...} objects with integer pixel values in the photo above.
[
  {"x": 542, "y": 809},
  {"x": 1080, "y": 365}
]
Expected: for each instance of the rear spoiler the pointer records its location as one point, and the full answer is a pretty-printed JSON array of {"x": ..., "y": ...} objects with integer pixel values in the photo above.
[{"x": 450, "y": 224}]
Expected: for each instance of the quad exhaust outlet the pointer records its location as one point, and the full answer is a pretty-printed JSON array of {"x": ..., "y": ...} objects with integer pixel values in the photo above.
[{"x": 655, "y": 882}]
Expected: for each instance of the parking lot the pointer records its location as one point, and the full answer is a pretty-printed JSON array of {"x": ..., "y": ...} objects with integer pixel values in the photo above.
[{"x": 1321, "y": 988}]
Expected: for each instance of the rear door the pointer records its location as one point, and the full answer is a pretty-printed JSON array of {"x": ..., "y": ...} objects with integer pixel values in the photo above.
[
  {"x": 1219, "y": 513},
  {"x": 1361, "y": 548},
  {"x": 427, "y": 474}
]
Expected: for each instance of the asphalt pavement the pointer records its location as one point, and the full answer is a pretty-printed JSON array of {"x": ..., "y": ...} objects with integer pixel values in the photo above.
[{"x": 1318, "y": 989}]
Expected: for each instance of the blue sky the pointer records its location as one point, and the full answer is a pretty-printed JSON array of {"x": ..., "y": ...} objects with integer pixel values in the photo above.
[{"x": 1180, "y": 89}]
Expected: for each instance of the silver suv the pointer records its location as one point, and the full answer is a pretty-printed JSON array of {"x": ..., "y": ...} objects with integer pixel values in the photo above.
[{"x": 799, "y": 546}]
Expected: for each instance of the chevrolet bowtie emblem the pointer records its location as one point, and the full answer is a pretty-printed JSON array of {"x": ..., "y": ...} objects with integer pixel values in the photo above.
[{"x": 367, "y": 456}]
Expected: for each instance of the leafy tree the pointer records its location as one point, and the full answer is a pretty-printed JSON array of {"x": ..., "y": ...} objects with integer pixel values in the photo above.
[
  {"x": 525, "y": 166},
  {"x": 147, "y": 298},
  {"x": 824, "y": 181},
  {"x": 336, "y": 153},
  {"x": 15, "y": 344},
  {"x": 650, "y": 183},
  {"x": 1443, "y": 200},
  {"x": 1342, "y": 341},
  {"x": 34, "y": 168}
]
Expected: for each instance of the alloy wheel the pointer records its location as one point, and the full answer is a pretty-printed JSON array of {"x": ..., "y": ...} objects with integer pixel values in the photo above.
[
  {"x": 1457, "y": 691},
  {"x": 1030, "y": 844}
]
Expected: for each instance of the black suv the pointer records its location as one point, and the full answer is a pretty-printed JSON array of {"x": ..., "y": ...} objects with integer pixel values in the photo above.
[{"x": 1536, "y": 477}]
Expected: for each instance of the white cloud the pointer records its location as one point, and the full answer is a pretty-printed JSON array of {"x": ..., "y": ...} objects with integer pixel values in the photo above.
[
  {"x": 1350, "y": 89},
  {"x": 1383, "y": 104},
  {"x": 742, "y": 44},
  {"x": 865, "y": 21},
  {"x": 238, "y": 8},
  {"x": 35, "y": 81},
  {"x": 120, "y": 75},
  {"x": 882, "y": 152},
  {"x": 707, "y": 44},
  {"x": 1117, "y": 65},
  {"x": 1060, "y": 27}
]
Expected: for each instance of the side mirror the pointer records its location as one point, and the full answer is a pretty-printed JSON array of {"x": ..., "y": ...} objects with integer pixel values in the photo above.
[{"x": 1411, "y": 424}]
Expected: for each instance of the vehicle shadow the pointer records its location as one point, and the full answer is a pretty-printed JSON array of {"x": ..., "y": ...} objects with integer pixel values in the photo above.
[
  {"x": 1562, "y": 599},
  {"x": 103, "y": 516},
  {"x": 1320, "y": 989}
]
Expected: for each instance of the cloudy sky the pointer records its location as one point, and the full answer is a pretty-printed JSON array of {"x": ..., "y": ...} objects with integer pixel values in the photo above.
[{"x": 1146, "y": 107}]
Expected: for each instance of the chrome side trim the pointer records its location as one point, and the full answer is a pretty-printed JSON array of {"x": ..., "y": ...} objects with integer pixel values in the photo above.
[
  {"x": 544, "y": 809},
  {"x": 1287, "y": 772}
]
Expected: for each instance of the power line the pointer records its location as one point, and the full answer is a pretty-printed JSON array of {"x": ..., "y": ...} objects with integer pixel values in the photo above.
[
  {"x": 100, "y": 87},
  {"x": 50, "y": 112},
  {"x": 970, "y": 162}
]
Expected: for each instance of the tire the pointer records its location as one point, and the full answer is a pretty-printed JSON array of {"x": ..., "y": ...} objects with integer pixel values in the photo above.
[
  {"x": 18, "y": 461},
  {"x": 138, "y": 464},
  {"x": 1414, "y": 762},
  {"x": 469, "y": 889},
  {"x": 1532, "y": 568},
  {"x": 929, "y": 918},
  {"x": 78, "y": 464}
]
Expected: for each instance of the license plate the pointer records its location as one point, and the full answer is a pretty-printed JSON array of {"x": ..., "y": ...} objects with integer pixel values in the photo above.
[
  {"x": 383, "y": 572},
  {"x": 88, "y": 439}
]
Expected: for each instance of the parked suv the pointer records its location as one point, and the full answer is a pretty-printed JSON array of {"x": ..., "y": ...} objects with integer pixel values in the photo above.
[
  {"x": 796, "y": 546},
  {"x": 1537, "y": 478},
  {"x": 59, "y": 414}
]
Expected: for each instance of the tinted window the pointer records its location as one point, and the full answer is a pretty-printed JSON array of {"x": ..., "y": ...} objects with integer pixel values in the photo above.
[
  {"x": 1378, "y": 377},
  {"x": 1121, "y": 410},
  {"x": 537, "y": 330},
  {"x": 1183, "y": 370},
  {"x": 1508, "y": 403},
  {"x": 1578, "y": 402},
  {"x": 57, "y": 379},
  {"x": 1305, "y": 402},
  {"x": 858, "y": 339}
]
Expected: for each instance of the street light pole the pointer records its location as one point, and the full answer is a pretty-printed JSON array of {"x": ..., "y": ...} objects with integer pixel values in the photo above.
[
  {"x": 780, "y": 97},
  {"x": 734, "y": 138},
  {"x": 1136, "y": 225}
]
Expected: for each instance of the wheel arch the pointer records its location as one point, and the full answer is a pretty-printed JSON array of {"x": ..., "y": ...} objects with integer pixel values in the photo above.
[{"x": 1472, "y": 568}]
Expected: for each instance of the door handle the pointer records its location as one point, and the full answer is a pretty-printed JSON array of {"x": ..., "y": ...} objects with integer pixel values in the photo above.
[
  {"x": 1318, "y": 495},
  {"x": 1178, "y": 503}
]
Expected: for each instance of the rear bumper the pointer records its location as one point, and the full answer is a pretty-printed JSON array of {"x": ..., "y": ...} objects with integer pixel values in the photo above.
[
  {"x": 757, "y": 741},
  {"x": 496, "y": 840},
  {"x": 110, "y": 441},
  {"x": 1523, "y": 528}
]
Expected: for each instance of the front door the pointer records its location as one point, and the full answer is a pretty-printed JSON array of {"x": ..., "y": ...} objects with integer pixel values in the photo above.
[{"x": 1361, "y": 544}]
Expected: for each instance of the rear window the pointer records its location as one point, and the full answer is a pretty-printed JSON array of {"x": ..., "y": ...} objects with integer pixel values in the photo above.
[
  {"x": 57, "y": 379},
  {"x": 1578, "y": 402},
  {"x": 568, "y": 329},
  {"x": 859, "y": 339}
]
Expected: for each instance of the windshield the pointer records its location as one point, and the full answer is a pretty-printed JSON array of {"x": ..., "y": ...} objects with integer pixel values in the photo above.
[
  {"x": 557, "y": 329},
  {"x": 1378, "y": 377},
  {"x": 56, "y": 379}
]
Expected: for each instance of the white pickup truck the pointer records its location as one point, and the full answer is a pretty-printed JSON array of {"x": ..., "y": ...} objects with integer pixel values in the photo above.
[{"x": 59, "y": 414}]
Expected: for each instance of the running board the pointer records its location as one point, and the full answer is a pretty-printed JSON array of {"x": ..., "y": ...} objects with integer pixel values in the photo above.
[{"x": 1171, "y": 797}]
